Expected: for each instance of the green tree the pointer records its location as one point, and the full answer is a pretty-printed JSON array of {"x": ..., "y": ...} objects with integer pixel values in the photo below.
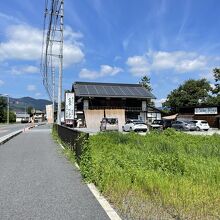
[
  {"x": 12, "y": 117},
  {"x": 190, "y": 93},
  {"x": 3, "y": 105},
  {"x": 30, "y": 110},
  {"x": 145, "y": 82},
  {"x": 216, "y": 74}
]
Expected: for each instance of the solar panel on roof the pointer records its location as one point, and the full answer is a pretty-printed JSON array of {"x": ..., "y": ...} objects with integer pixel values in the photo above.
[
  {"x": 135, "y": 91},
  {"x": 100, "y": 90},
  {"x": 142, "y": 91},
  {"x": 83, "y": 90},
  {"x": 127, "y": 91},
  {"x": 113, "y": 90},
  {"x": 92, "y": 90},
  {"x": 109, "y": 91},
  {"x": 118, "y": 91}
]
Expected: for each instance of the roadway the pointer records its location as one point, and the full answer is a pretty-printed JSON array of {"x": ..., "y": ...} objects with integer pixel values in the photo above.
[
  {"x": 7, "y": 129},
  {"x": 37, "y": 182}
]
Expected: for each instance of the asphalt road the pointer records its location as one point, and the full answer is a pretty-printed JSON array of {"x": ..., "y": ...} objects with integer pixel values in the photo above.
[
  {"x": 7, "y": 129},
  {"x": 37, "y": 182}
]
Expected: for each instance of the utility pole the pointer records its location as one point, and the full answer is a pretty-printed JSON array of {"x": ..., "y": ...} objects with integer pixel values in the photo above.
[
  {"x": 53, "y": 76},
  {"x": 52, "y": 51},
  {"x": 60, "y": 64}
]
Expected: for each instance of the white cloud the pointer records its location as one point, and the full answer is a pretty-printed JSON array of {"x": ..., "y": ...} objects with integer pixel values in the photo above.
[
  {"x": 31, "y": 88},
  {"x": 2, "y": 82},
  {"x": 138, "y": 65},
  {"x": 105, "y": 70},
  {"x": 126, "y": 41},
  {"x": 37, "y": 94},
  {"x": 212, "y": 85},
  {"x": 24, "y": 70},
  {"x": 178, "y": 61},
  {"x": 24, "y": 42},
  {"x": 9, "y": 18},
  {"x": 158, "y": 102}
]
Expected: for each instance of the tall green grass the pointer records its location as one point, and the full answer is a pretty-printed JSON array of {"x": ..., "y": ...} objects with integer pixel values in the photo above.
[{"x": 169, "y": 175}]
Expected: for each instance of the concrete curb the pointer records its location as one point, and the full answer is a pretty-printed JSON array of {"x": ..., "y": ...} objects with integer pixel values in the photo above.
[
  {"x": 112, "y": 214},
  {"x": 8, "y": 137}
]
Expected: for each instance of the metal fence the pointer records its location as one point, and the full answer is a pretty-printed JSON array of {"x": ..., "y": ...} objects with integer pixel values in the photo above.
[{"x": 73, "y": 138}]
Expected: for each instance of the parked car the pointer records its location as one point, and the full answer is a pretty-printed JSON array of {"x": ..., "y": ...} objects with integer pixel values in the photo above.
[
  {"x": 24, "y": 120},
  {"x": 135, "y": 125},
  {"x": 183, "y": 125},
  {"x": 109, "y": 124},
  {"x": 201, "y": 125},
  {"x": 157, "y": 124},
  {"x": 161, "y": 124}
]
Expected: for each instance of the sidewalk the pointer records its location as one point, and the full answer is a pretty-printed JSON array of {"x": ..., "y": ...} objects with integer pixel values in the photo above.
[{"x": 37, "y": 182}]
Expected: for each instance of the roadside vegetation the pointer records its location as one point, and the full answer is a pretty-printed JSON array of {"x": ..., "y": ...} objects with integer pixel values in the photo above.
[
  {"x": 168, "y": 175},
  {"x": 68, "y": 153}
]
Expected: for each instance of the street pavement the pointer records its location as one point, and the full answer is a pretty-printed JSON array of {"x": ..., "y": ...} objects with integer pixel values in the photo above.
[
  {"x": 7, "y": 129},
  {"x": 37, "y": 182}
]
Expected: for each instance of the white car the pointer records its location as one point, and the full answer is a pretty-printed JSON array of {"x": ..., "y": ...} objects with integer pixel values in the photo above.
[
  {"x": 201, "y": 125},
  {"x": 135, "y": 125}
]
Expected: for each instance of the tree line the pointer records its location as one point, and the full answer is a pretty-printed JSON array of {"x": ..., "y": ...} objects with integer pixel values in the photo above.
[
  {"x": 190, "y": 93},
  {"x": 3, "y": 112}
]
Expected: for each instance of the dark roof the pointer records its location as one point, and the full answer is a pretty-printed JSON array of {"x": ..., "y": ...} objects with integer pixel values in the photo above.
[{"x": 93, "y": 89}]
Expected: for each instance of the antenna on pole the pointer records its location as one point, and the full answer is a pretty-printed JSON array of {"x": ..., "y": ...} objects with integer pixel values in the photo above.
[{"x": 52, "y": 51}]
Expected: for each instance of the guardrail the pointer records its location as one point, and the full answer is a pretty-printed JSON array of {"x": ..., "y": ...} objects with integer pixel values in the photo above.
[{"x": 73, "y": 138}]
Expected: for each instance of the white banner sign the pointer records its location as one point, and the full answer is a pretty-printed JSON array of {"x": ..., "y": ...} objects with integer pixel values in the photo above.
[
  {"x": 69, "y": 106},
  {"x": 49, "y": 113},
  {"x": 206, "y": 111}
]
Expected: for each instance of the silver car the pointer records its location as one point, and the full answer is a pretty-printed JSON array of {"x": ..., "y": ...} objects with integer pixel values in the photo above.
[{"x": 183, "y": 125}]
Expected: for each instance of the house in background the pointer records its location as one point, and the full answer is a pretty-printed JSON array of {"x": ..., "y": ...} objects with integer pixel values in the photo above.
[
  {"x": 209, "y": 113},
  {"x": 94, "y": 101},
  {"x": 38, "y": 116},
  {"x": 22, "y": 118}
]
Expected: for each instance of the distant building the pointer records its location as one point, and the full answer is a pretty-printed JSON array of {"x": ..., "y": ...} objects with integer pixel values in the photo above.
[
  {"x": 209, "y": 113},
  {"x": 38, "y": 116},
  {"x": 22, "y": 117},
  {"x": 93, "y": 101}
]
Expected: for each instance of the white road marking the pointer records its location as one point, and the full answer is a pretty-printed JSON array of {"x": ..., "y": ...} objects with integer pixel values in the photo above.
[{"x": 112, "y": 214}]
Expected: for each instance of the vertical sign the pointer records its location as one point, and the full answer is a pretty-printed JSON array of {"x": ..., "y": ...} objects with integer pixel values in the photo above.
[
  {"x": 69, "y": 107},
  {"x": 49, "y": 113}
]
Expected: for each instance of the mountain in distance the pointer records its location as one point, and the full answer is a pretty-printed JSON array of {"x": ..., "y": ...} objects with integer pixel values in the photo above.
[{"x": 20, "y": 104}]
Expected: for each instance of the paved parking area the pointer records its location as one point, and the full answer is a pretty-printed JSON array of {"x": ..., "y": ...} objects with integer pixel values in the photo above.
[{"x": 209, "y": 132}]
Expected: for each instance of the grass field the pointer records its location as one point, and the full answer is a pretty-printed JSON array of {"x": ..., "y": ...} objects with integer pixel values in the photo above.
[{"x": 169, "y": 175}]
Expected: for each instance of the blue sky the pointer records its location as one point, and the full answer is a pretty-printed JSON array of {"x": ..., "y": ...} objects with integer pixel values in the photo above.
[{"x": 112, "y": 41}]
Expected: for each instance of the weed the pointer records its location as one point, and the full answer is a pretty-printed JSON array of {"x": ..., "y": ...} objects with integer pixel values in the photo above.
[{"x": 175, "y": 173}]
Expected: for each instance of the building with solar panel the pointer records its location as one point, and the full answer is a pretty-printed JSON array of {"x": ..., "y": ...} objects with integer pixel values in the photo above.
[{"x": 94, "y": 101}]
